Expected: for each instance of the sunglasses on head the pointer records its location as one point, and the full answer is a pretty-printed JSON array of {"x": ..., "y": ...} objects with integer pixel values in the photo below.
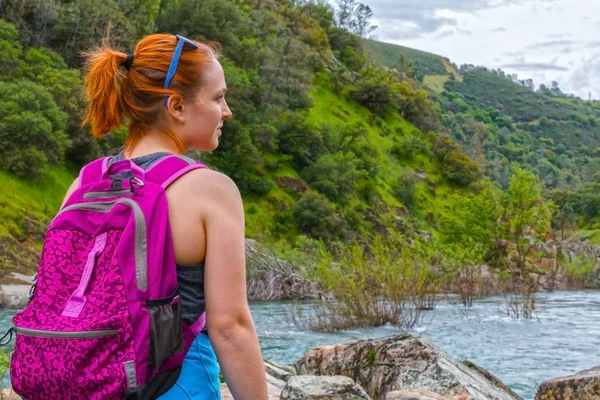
[{"x": 175, "y": 61}]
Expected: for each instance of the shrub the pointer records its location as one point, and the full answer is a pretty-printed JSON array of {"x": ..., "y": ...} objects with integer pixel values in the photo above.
[
  {"x": 410, "y": 146},
  {"x": 579, "y": 271},
  {"x": 32, "y": 128},
  {"x": 334, "y": 175},
  {"x": 385, "y": 284},
  {"x": 377, "y": 91},
  {"x": 314, "y": 215},
  {"x": 405, "y": 189}
]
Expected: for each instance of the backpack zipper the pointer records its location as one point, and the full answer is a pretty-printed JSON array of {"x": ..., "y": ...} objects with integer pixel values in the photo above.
[
  {"x": 107, "y": 194},
  {"x": 65, "y": 335},
  {"x": 141, "y": 248}
]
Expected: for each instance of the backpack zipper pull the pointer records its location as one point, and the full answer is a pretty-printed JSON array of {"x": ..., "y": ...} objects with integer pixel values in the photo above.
[{"x": 8, "y": 333}]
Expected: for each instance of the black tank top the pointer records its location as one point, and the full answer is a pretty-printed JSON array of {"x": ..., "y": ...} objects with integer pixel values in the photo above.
[{"x": 189, "y": 276}]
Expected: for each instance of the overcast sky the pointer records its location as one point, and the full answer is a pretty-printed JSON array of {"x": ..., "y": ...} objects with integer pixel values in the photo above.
[{"x": 544, "y": 40}]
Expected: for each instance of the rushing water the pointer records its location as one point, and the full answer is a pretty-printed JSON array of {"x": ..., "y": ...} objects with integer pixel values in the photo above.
[{"x": 564, "y": 338}]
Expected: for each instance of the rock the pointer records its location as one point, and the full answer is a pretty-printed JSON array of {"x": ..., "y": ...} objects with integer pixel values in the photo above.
[
  {"x": 322, "y": 388},
  {"x": 274, "y": 384},
  {"x": 279, "y": 371},
  {"x": 490, "y": 377},
  {"x": 290, "y": 184},
  {"x": 399, "y": 363},
  {"x": 9, "y": 394},
  {"x": 274, "y": 392},
  {"x": 14, "y": 297},
  {"x": 583, "y": 385},
  {"x": 413, "y": 394}
]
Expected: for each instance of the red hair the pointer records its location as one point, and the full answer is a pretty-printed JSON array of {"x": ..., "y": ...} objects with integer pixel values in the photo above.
[{"x": 138, "y": 93}]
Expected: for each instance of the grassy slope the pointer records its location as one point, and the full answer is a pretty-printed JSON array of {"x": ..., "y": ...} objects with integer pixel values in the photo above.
[
  {"x": 336, "y": 111},
  {"x": 38, "y": 200},
  {"x": 387, "y": 54},
  {"x": 437, "y": 70}
]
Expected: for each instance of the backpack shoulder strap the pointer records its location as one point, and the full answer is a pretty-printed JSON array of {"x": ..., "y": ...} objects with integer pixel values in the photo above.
[
  {"x": 171, "y": 168},
  {"x": 93, "y": 171},
  {"x": 164, "y": 173}
]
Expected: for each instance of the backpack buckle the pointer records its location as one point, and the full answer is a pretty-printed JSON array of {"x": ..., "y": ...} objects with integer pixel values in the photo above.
[{"x": 135, "y": 181}]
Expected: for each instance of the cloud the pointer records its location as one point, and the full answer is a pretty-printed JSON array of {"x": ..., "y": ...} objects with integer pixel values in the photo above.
[
  {"x": 525, "y": 66},
  {"x": 515, "y": 53},
  {"x": 559, "y": 35},
  {"x": 499, "y": 29},
  {"x": 585, "y": 77},
  {"x": 552, "y": 43},
  {"x": 445, "y": 33},
  {"x": 407, "y": 19}
]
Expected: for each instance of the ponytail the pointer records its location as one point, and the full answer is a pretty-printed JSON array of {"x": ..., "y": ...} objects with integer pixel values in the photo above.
[{"x": 105, "y": 112}]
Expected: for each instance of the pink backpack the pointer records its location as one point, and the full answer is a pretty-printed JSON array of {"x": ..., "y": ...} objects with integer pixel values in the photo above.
[{"x": 105, "y": 321}]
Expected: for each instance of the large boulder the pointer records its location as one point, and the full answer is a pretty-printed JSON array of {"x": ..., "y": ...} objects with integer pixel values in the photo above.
[
  {"x": 490, "y": 377},
  {"x": 413, "y": 394},
  {"x": 583, "y": 385},
  {"x": 322, "y": 388},
  {"x": 277, "y": 376},
  {"x": 400, "y": 363}
]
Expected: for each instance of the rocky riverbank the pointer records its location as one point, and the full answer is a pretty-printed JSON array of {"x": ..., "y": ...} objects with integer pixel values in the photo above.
[
  {"x": 400, "y": 367},
  {"x": 403, "y": 367},
  {"x": 581, "y": 386},
  {"x": 394, "y": 368}
]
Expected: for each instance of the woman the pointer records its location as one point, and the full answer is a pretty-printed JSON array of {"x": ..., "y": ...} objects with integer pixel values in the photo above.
[{"x": 172, "y": 91}]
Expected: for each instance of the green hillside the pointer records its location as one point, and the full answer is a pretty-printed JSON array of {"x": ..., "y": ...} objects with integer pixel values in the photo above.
[
  {"x": 313, "y": 152},
  {"x": 387, "y": 54},
  {"x": 498, "y": 121},
  {"x": 337, "y": 151}
]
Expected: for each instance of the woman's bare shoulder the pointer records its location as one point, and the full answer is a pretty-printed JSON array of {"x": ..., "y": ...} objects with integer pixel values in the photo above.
[{"x": 210, "y": 184}]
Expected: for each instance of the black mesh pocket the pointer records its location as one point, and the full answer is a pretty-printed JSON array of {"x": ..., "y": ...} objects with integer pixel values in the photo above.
[{"x": 166, "y": 332}]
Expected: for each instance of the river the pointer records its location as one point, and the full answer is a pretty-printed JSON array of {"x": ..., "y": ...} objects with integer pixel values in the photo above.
[{"x": 563, "y": 338}]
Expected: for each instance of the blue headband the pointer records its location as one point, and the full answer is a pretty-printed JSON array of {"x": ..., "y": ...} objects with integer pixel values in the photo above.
[{"x": 175, "y": 61}]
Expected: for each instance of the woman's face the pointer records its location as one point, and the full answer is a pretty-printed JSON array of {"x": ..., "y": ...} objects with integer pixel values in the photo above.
[{"x": 204, "y": 116}]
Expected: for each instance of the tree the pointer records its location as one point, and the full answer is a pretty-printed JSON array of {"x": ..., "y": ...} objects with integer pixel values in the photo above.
[
  {"x": 34, "y": 19},
  {"x": 31, "y": 129},
  {"x": 345, "y": 11},
  {"x": 418, "y": 109},
  {"x": 377, "y": 90},
  {"x": 405, "y": 67},
  {"x": 355, "y": 17},
  {"x": 361, "y": 24},
  {"x": 315, "y": 216},
  {"x": 457, "y": 167},
  {"x": 334, "y": 175},
  {"x": 10, "y": 49},
  {"x": 527, "y": 219}
]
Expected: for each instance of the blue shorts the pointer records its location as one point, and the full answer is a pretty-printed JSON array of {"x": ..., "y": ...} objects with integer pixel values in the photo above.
[{"x": 199, "y": 378}]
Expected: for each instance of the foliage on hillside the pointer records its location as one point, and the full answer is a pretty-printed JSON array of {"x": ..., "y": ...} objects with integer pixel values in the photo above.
[
  {"x": 325, "y": 144},
  {"x": 387, "y": 54},
  {"x": 499, "y": 120},
  {"x": 502, "y": 122},
  {"x": 315, "y": 150}
]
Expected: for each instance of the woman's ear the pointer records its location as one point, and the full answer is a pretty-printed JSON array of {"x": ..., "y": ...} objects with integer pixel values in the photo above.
[{"x": 175, "y": 107}]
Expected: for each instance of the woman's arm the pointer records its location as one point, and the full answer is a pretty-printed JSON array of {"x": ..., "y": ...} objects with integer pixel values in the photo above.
[{"x": 229, "y": 322}]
